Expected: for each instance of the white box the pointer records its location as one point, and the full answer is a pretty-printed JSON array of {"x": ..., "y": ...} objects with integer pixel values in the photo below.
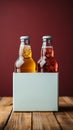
[{"x": 35, "y": 92}]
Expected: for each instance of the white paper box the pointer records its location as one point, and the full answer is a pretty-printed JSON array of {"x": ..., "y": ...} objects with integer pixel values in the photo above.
[{"x": 35, "y": 91}]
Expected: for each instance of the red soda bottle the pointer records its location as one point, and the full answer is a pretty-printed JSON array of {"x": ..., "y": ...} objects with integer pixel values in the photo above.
[{"x": 47, "y": 62}]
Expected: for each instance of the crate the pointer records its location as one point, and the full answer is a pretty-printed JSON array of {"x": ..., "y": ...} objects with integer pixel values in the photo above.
[{"x": 35, "y": 91}]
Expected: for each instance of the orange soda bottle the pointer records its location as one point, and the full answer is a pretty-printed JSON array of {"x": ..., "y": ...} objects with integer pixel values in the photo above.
[{"x": 25, "y": 62}]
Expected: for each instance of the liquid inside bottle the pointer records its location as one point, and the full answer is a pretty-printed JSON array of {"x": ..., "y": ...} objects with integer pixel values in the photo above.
[
  {"x": 25, "y": 62},
  {"x": 47, "y": 62}
]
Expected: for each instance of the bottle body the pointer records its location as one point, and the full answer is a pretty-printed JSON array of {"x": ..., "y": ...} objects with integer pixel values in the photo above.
[
  {"x": 28, "y": 66},
  {"x": 47, "y": 62},
  {"x": 25, "y": 62}
]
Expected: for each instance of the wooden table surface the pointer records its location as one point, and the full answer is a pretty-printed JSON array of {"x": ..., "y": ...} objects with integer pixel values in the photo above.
[{"x": 61, "y": 120}]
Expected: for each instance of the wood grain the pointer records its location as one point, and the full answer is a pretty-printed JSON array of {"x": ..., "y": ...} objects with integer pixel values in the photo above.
[
  {"x": 5, "y": 111},
  {"x": 45, "y": 121},
  {"x": 61, "y": 120},
  {"x": 19, "y": 121},
  {"x": 63, "y": 116}
]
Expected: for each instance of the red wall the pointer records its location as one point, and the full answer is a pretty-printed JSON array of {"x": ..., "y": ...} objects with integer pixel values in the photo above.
[{"x": 36, "y": 18}]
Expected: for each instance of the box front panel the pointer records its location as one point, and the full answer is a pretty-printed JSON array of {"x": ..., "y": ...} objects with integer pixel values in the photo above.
[{"x": 35, "y": 91}]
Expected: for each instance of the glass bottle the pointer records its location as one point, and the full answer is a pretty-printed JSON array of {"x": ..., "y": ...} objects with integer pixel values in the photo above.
[
  {"x": 25, "y": 62},
  {"x": 47, "y": 62}
]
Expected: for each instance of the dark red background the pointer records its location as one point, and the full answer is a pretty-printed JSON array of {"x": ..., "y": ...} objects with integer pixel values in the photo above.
[{"x": 36, "y": 18}]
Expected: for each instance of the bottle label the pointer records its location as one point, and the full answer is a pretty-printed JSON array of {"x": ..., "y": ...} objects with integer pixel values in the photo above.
[
  {"x": 43, "y": 61},
  {"x": 19, "y": 62},
  {"x": 21, "y": 50}
]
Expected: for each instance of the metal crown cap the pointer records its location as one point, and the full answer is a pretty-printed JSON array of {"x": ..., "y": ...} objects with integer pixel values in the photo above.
[
  {"x": 47, "y": 37},
  {"x": 24, "y": 37}
]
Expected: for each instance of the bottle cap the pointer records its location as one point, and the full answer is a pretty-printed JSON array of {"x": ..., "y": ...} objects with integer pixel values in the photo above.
[
  {"x": 22, "y": 38},
  {"x": 47, "y": 37}
]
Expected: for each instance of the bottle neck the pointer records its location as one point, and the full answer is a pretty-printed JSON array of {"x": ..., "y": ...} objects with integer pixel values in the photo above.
[
  {"x": 27, "y": 53},
  {"x": 47, "y": 48},
  {"x": 26, "y": 41},
  {"x": 47, "y": 43},
  {"x": 25, "y": 49},
  {"x": 21, "y": 48}
]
